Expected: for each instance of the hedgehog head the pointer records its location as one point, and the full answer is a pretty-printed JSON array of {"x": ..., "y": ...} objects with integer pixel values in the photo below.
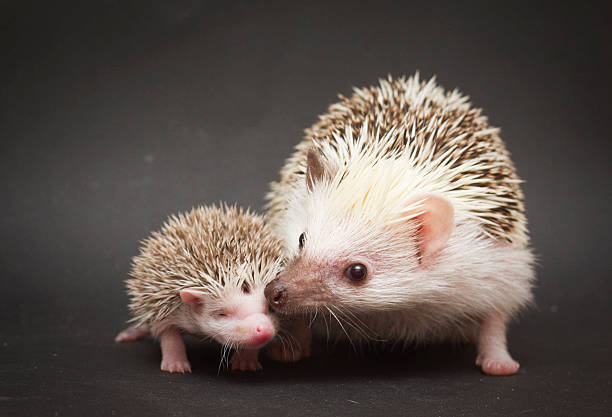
[
  {"x": 355, "y": 235},
  {"x": 213, "y": 264},
  {"x": 234, "y": 317}
]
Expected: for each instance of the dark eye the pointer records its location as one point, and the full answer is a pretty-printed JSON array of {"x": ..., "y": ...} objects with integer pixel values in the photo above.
[
  {"x": 356, "y": 272},
  {"x": 220, "y": 313},
  {"x": 301, "y": 240}
]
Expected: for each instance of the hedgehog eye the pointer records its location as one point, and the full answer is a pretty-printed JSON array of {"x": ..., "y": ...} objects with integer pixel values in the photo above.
[
  {"x": 356, "y": 272},
  {"x": 301, "y": 240},
  {"x": 220, "y": 314}
]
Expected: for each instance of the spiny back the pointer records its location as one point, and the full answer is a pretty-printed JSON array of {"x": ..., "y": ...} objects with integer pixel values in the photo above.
[
  {"x": 208, "y": 247},
  {"x": 438, "y": 135}
]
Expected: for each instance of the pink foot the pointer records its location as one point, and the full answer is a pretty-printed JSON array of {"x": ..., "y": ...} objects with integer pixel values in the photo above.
[
  {"x": 175, "y": 366},
  {"x": 493, "y": 357},
  {"x": 174, "y": 357},
  {"x": 246, "y": 360},
  {"x": 133, "y": 333},
  {"x": 498, "y": 366}
]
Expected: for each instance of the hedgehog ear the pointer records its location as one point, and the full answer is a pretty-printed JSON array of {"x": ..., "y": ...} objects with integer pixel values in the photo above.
[
  {"x": 193, "y": 297},
  {"x": 315, "y": 170},
  {"x": 436, "y": 218}
]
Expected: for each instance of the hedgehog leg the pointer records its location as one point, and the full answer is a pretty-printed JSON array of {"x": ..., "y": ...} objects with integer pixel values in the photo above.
[
  {"x": 493, "y": 357},
  {"x": 293, "y": 344},
  {"x": 174, "y": 357},
  {"x": 133, "y": 333},
  {"x": 246, "y": 360}
]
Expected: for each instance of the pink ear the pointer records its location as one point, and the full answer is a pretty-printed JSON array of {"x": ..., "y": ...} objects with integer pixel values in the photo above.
[
  {"x": 315, "y": 170},
  {"x": 437, "y": 221},
  {"x": 193, "y": 297}
]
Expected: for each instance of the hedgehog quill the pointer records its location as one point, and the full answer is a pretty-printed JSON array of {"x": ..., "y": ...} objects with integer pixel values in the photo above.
[
  {"x": 204, "y": 273},
  {"x": 403, "y": 218}
]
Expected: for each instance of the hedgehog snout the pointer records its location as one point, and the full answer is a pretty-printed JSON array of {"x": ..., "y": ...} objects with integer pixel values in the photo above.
[
  {"x": 276, "y": 293},
  {"x": 256, "y": 330}
]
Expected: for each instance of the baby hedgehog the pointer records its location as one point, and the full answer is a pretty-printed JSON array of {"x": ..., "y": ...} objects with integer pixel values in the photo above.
[
  {"x": 404, "y": 221},
  {"x": 205, "y": 273}
]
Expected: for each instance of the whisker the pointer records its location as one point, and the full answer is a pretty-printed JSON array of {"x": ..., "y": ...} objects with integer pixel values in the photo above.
[
  {"x": 355, "y": 326},
  {"x": 313, "y": 317},
  {"x": 326, "y": 327},
  {"x": 358, "y": 320},
  {"x": 281, "y": 339},
  {"x": 364, "y": 330},
  {"x": 228, "y": 352},
  {"x": 223, "y": 347},
  {"x": 291, "y": 342},
  {"x": 343, "y": 329}
]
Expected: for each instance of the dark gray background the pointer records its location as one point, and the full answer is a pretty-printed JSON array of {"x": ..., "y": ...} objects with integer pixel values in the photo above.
[{"x": 117, "y": 114}]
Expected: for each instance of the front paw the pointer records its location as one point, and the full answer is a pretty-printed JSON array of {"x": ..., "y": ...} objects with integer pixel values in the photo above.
[
  {"x": 176, "y": 366},
  {"x": 245, "y": 362}
]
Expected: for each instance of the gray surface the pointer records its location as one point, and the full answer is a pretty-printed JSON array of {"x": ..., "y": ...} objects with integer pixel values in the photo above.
[{"x": 114, "y": 116}]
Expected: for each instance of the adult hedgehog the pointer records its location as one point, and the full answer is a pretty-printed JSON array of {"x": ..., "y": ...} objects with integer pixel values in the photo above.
[{"x": 403, "y": 217}]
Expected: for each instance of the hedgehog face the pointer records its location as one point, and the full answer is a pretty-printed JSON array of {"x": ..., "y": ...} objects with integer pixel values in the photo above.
[
  {"x": 237, "y": 317},
  {"x": 347, "y": 258},
  {"x": 344, "y": 263}
]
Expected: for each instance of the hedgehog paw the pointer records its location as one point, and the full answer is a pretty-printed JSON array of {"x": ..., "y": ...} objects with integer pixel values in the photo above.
[
  {"x": 179, "y": 366},
  {"x": 497, "y": 365},
  {"x": 246, "y": 360},
  {"x": 493, "y": 357},
  {"x": 174, "y": 357},
  {"x": 133, "y": 333}
]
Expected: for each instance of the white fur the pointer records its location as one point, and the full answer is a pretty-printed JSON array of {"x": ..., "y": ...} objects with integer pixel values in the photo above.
[
  {"x": 473, "y": 277},
  {"x": 364, "y": 209},
  {"x": 376, "y": 182},
  {"x": 206, "y": 321}
]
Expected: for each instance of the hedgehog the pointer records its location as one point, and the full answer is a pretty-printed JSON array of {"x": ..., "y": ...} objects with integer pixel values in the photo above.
[
  {"x": 402, "y": 217},
  {"x": 204, "y": 273}
]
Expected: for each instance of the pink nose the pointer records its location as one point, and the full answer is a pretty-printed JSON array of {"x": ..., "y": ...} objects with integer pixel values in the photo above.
[{"x": 260, "y": 330}]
